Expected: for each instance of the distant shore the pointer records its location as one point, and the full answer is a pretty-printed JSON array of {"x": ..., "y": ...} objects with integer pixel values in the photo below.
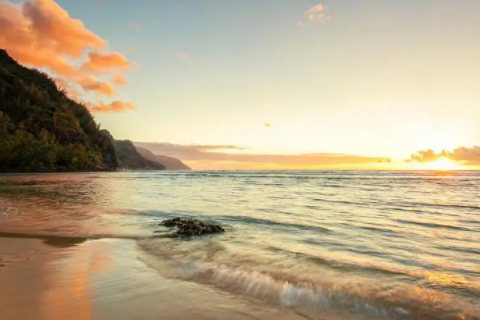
[{"x": 73, "y": 171}]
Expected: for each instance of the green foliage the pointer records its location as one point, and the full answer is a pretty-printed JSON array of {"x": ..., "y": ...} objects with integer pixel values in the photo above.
[{"x": 42, "y": 129}]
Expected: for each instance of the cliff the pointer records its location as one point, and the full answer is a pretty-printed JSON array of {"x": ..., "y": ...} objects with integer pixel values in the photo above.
[
  {"x": 129, "y": 158},
  {"x": 169, "y": 162},
  {"x": 41, "y": 129}
]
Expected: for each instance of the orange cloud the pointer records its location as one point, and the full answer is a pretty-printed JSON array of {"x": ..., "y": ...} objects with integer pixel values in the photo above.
[
  {"x": 119, "y": 80},
  {"x": 115, "y": 106},
  {"x": 92, "y": 84},
  {"x": 209, "y": 157},
  {"x": 101, "y": 62},
  {"x": 468, "y": 156},
  {"x": 190, "y": 151},
  {"x": 462, "y": 155},
  {"x": 42, "y": 34},
  {"x": 424, "y": 156}
]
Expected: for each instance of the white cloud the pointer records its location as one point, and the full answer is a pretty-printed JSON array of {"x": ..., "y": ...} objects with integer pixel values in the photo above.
[{"x": 317, "y": 13}]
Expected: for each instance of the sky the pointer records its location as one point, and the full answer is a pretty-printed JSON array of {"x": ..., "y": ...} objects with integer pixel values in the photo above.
[{"x": 268, "y": 84}]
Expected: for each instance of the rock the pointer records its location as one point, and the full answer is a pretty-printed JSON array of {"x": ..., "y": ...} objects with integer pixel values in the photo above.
[{"x": 192, "y": 227}]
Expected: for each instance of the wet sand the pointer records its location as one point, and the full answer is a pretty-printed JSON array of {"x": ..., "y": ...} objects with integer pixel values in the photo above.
[{"x": 60, "y": 278}]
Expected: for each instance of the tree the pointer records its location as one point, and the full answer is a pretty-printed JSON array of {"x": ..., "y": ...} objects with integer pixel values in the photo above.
[{"x": 41, "y": 128}]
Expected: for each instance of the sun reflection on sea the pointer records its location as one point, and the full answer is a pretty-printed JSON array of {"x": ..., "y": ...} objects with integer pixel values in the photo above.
[{"x": 444, "y": 278}]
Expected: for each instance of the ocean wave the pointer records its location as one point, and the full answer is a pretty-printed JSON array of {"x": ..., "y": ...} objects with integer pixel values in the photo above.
[
  {"x": 298, "y": 284},
  {"x": 439, "y": 205},
  {"x": 273, "y": 223},
  {"x": 432, "y": 225}
]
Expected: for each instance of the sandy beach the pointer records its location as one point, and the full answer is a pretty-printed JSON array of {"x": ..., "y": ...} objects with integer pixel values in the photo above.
[
  {"x": 61, "y": 278},
  {"x": 94, "y": 246}
]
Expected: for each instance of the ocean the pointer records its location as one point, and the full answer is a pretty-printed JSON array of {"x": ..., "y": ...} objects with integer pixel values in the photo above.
[{"x": 325, "y": 244}]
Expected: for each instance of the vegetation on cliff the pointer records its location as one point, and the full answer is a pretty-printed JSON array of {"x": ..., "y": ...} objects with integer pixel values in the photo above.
[{"x": 41, "y": 129}]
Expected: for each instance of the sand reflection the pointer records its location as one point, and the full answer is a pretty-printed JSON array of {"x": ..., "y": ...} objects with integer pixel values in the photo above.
[{"x": 71, "y": 294}]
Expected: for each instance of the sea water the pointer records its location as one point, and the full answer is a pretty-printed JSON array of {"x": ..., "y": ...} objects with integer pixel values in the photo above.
[{"x": 345, "y": 244}]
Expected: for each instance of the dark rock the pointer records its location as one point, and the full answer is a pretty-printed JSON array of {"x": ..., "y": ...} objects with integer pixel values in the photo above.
[{"x": 192, "y": 227}]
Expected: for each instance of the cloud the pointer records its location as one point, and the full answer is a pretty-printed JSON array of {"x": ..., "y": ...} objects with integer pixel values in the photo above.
[
  {"x": 182, "y": 56},
  {"x": 115, "y": 106},
  {"x": 119, "y": 80},
  {"x": 462, "y": 155},
  {"x": 424, "y": 156},
  {"x": 267, "y": 125},
  {"x": 209, "y": 156},
  {"x": 136, "y": 26},
  {"x": 105, "y": 62},
  {"x": 469, "y": 156},
  {"x": 317, "y": 13},
  {"x": 190, "y": 151},
  {"x": 41, "y": 34},
  {"x": 42, "y": 28},
  {"x": 92, "y": 84}
]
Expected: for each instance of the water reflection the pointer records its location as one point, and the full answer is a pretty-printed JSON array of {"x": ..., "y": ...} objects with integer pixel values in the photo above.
[
  {"x": 70, "y": 294},
  {"x": 444, "y": 278},
  {"x": 411, "y": 239}
]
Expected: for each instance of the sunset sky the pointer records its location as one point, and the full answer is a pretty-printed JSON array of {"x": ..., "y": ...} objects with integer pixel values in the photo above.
[{"x": 267, "y": 84}]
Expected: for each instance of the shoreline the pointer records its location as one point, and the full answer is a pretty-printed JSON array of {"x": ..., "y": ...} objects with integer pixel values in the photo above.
[
  {"x": 322, "y": 250},
  {"x": 46, "y": 278}
]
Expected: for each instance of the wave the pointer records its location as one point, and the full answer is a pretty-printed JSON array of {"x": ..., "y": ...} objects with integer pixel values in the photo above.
[
  {"x": 272, "y": 223},
  {"x": 376, "y": 229},
  {"x": 440, "y": 205},
  {"x": 432, "y": 225},
  {"x": 310, "y": 288},
  {"x": 470, "y": 221}
]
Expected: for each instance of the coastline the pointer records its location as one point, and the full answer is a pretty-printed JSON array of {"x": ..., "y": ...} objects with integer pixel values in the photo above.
[
  {"x": 94, "y": 241},
  {"x": 65, "y": 278}
]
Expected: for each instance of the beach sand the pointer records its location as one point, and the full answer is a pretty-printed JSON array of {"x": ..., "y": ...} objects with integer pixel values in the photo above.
[{"x": 80, "y": 279}]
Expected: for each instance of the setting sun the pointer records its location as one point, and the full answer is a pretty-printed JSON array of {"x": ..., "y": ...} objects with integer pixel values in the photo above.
[
  {"x": 137, "y": 138},
  {"x": 443, "y": 164}
]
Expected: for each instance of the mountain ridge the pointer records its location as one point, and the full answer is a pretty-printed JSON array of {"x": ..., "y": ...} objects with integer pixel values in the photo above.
[
  {"x": 42, "y": 129},
  {"x": 170, "y": 163},
  {"x": 129, "y": 158}
]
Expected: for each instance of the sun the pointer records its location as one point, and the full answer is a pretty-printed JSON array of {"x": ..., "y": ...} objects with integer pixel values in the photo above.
[{"x": 443, "y": 164}]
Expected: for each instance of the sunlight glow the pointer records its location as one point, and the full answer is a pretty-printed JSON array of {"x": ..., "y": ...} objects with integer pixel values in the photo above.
[{"x": 443, "y": 164}]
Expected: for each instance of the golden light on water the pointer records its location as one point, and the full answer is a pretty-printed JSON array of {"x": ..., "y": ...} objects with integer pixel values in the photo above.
[{"x": 444, "y": 278}]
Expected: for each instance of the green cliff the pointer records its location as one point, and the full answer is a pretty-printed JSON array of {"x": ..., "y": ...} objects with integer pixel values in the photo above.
[{"x": 41, "y": 129}]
